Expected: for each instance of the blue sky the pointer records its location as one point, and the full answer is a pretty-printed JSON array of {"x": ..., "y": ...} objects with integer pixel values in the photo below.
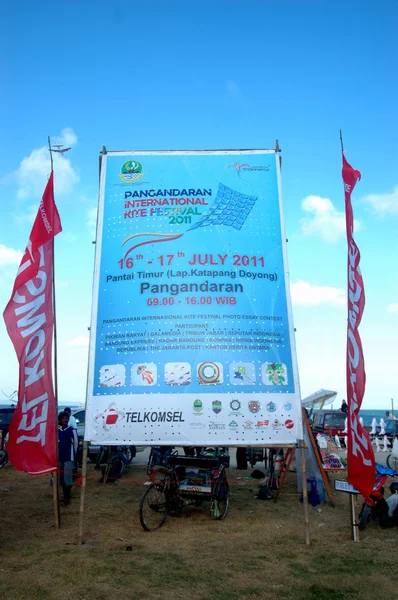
[{"x": 190, "y": 74}]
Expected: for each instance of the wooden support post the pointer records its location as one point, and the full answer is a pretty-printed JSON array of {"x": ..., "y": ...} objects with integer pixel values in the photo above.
[
  {"x": 354, "y": 522},
  {"x": 83, "y": 492},
  {"x": 318, "y": 458},
  {"x": 305, "y": 493},
  {"x": 57, "y": 516}
]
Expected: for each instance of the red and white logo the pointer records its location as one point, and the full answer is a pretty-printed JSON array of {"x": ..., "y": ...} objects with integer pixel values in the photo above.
[
  {"x": 109, "y": 417},
  {"x": 289, "y": 424}
]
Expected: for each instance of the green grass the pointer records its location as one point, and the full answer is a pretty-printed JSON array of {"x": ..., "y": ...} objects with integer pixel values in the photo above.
[{"x": 246, "y": 556}]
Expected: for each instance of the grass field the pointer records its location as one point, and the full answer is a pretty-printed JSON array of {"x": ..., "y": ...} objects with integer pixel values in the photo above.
[{"x": 258, "y": 551}]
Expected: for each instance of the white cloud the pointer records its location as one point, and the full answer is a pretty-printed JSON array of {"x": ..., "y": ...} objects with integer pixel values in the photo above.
[
  {"x": 9, "y": 256},
  {"x": 393, "y": 308},
  {"x": 32, "y": 174},
  {"x": 305, "y": 294},
  {"x": 324, "y": 220},
  {"x": 67, "y": 138},
  {"x": 384, "y": 204},
  {"x": 80, "y": 341}
]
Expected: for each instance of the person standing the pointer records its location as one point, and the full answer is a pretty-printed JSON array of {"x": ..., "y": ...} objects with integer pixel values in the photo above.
[
  {"x": 67, "y": 448},
  {"x": 4, "y": 457},
  {"x": 344, "y": 407},
  {"x": 72, "y": 421}
]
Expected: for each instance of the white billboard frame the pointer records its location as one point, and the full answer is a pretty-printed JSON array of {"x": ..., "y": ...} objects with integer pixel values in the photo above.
[{"x": 96, "y": 283}]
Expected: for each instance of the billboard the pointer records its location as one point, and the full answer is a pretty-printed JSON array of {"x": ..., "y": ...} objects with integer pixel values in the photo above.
[{"x": 192, "y": 341}]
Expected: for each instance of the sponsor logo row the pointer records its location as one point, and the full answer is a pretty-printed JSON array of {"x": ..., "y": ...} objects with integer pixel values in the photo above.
[
  {"x": 235, "y": 406},
  {"x": 273, "y": 424}
]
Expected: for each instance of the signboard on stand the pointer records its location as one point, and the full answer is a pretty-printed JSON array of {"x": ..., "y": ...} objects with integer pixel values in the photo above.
[
  {"x": 192, "y": 340},
  {"x": 344, "y": 486}
]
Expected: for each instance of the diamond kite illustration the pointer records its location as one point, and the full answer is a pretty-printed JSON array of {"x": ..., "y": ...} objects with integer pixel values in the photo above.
[{"x": 229, "y": 208}]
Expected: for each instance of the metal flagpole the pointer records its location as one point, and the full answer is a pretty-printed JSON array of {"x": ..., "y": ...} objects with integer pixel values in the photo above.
[
  {"x": 85, "y": 444},
  {"x": 57, "y": 517}
]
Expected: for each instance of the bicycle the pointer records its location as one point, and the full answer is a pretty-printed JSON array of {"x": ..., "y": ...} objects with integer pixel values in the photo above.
[
  {"x": 175, "y": 489},
  {"x": 115, "y": 460},
  {"x": 392, "y": 459},
  {"x": 392, "y": 462},
  {"x": 159, "y": 457}
]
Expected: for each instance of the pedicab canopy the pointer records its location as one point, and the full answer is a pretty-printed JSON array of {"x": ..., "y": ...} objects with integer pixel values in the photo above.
[{"x": 192, "y": 340}]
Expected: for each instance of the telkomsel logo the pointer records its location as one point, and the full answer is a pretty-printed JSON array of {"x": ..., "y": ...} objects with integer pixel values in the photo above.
[
  {"x": 131, "y": 171},
  {"x": 108, "y": 417}
]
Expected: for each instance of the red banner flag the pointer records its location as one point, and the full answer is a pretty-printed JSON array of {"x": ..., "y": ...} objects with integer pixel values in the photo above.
[
  {"x": 29, "y": 320},
  {"x": 360, "y": 455}
]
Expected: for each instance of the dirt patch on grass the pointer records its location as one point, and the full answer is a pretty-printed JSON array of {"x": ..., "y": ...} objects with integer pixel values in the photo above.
[{"x": 258, "y": 551}]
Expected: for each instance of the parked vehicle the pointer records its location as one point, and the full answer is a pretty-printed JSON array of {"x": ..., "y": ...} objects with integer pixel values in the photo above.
[
  {"x": 391, "y": 431},
  {"x": 256, "y": 455},
  {"x": 330, "y": 423},
  {"x": 375, "y": 507},
  {"x": 159, "y": 457},
  {"x": 178, "y": 488},
  {"x": 112, "y": 460},
  {"x": 251, "y": 456},
  {"x": 93, "y": 449},
  {"x": 392, "y": 459}
]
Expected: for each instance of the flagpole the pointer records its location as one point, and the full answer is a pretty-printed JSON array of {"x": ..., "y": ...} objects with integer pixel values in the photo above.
[
  {"x": 57, "y": 517},
  {"x": 341, "y": 141}
]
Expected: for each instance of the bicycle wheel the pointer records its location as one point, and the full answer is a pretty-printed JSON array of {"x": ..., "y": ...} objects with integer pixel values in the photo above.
[
  {"x": 154, "y": 506},
  {"x": 392, "y": 462},
  {"x": 220, "y": 500}
]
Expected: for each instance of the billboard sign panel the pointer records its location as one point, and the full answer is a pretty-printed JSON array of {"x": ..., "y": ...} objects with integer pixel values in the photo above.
[{"x": 192, "y": 341}]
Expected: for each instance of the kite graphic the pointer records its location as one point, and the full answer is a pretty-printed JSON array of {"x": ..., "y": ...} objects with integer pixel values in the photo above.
[
  {"x": 242, "y": 373},
  {"x": 230, "y": 208}
]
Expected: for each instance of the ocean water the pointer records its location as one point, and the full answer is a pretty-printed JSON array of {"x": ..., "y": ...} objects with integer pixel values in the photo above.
[{"x": 370, "y": 413}]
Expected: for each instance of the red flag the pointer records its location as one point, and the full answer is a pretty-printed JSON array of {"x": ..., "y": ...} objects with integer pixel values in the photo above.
[
  {"x": 360, "y": 455},
  {"x": 29, "y": 320}
]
